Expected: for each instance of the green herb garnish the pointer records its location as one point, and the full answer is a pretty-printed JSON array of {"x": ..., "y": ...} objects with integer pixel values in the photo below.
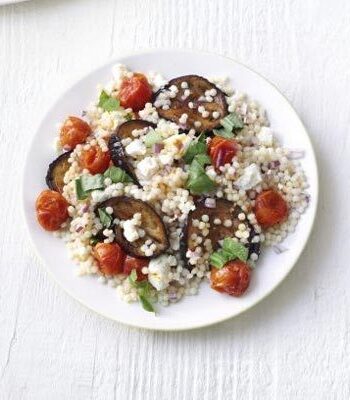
[
  {"x": 105, "y": 218},
  {"x": 81, "y": 194},
  {"x": 232, "y": 122},
  {"x": 94, "y": 240},
  {"x": 87, "y": 183},
  {"x": 223, "y": 133},
  {"x": 219, "y": 259},
  {"x": 152, "y": 138},
  {"x": 107, "y": 102},
  {"x": 196, "y": 147},
  {"x": 230, "y": 251},
  {"x": 117, "y": 174},
  {"x": 198, "y": 181},
  {"x": 143, "y": 289},
  {"x": 235, "y": 248}
]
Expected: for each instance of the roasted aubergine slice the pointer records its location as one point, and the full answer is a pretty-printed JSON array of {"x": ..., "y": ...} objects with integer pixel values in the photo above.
[
  {"x": 56, "y": 171},
  {"x": 124, "y": 209},
  {"x": 225, "y": 211},
  {"x": 192, "y": 95},
  {"x": 116, "y": 148}
]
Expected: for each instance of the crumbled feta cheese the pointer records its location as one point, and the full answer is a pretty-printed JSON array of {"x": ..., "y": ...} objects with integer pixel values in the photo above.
[
  {"x": 147, "y": 167},
  {"x": 135, "y": 148},
  {"x": 131, "y": 230},
  {"x": 159, "y": 269},
  {"x": 183, "y": 119},
  {"x": 250, "y": 178},
  {"x": 265, "y": 136},
  {"x": 166, "y": 159}
]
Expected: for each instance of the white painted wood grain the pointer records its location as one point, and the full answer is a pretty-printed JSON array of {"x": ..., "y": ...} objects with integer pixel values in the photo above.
[{"x": 294, "y": 345}]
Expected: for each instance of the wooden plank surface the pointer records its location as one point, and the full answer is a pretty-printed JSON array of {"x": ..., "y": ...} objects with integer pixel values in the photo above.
[{"x": 295, "y": 344}]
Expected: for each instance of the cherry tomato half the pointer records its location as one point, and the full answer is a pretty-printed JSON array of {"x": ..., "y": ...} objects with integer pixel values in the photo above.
[
  {"x": 270, "y": 208},
  {"x": 95, "y": 160},
  {"x": 233, "y": 278},
  {"x": 74, "y": 131},
  {"x": 135, "y": 92},
  {"x": 136, "y": 264},
  {"x": 222, "y": 151},
  {"x": 110, "y": 258},
  {"x": 51, "y": 210}
]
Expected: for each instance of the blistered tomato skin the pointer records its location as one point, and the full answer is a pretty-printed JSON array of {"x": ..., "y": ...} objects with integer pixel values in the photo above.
[
  {"x": 137, "y": 264},
  {"x": 95, "y": 160},
  {"x": 110, "y": 258},
  {"x": 51, "y": 210},
  {"x": 270, "y": 208},
  {"x": 222, "y": 151},
  {"x": 233, "y": 278},
  {"x": 135, "y": 92},
  {"x": 74, "y": 131}
]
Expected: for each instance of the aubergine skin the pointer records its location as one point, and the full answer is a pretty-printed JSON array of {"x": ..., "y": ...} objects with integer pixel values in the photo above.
[
  {"x": 123, "y": 209},
  {"x": 56, "y": 171},
  {"x": 125, "y": 130},
  {"x": 116, "y": 148},
  {"x": 178, "y": 106},
  {"x": 224, "y": 209},
  {"x": 120, "y": 158}
]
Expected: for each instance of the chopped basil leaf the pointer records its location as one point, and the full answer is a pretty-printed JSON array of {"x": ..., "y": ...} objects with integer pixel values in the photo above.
[
  {"x": 117, "y": 174},
  {"x": 202, "y": 159},
  {"x": 196, "y": 147},
  {"x": 152, "y": 138},
  {"x": 236, "y": 249},
  {"x": 133, "y": 277},
  {"x": 86, "y": 183},
  {"x": 198, "y": 181},
  {"x": 91, "y": 182},
  {"x": 81, "y": 194},
  {"x": 232, "y": 122},
  {"x": 219, "y": 259},
  {"x": 146, "y": 304},
  {"x": 105, "y": 218},
  {"x": 223, "y": 133},
  {"x": 94, "y": 240},
  {"x": 230, "y": 251},
  {"x": 107, "y": 102},
  {"x": 143, "y": 291}
]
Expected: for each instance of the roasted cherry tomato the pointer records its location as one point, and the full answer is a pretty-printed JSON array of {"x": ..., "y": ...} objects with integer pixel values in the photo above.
[
  {"x": 51, "y": 210},
  {"x": 136, "y": 264},
  {"x": 95, "y": 160},
  {"x": 74, "y": 131},
  {"x": 135, "y": 92},
  {"x": 270, "y": 208},
  {"x": 110, "y": 258},
  {"x": 222, "y": 151},
  {"x": 233, "y": 278}
]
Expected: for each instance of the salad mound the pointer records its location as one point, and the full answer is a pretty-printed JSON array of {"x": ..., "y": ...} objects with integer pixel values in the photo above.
[{"x": 161, "y": 185}]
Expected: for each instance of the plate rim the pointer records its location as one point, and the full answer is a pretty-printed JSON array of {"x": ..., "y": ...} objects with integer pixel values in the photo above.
[{"x": 155, "y": 51}]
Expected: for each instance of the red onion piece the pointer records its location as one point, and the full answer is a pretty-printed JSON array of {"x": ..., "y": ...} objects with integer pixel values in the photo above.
[
  {"x": 274, "y": 164},
  {"x": 278, "y": 248},
  {"x": 157, "y": 147},
  {"x": 295, "y": 154},
  {"x": 79, "y": 229},
  {"x": 167, "y": 168},
  {"x": 85, "y": 208},
  {"x": 210, "y": 203}
]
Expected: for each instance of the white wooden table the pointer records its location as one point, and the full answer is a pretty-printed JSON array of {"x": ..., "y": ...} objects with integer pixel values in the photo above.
[{"x": 296, "y": 343}]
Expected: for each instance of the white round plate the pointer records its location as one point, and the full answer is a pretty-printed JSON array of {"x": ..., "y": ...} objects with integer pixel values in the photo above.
[
  {"x": 4, "y": 2},
  {"x": 208, "y": 307}
]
